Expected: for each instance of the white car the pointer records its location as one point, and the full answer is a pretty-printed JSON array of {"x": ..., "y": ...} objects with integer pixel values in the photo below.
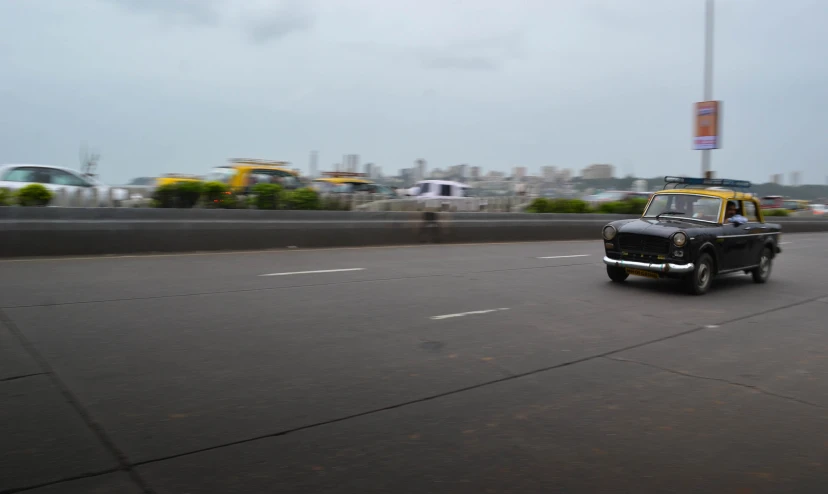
[
  {"x": 439, "y": 189},
  {"x": 448, "y": 194},
  {"x": 63, "y": 182}
]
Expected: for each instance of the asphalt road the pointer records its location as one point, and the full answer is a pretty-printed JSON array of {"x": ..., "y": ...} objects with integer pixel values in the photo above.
[{"x": 462, "y": 368}]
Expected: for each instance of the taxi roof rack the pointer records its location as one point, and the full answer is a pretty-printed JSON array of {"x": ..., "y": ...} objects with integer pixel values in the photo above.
[
  {"x": 258, "y": 161},
  {"x": 711, "y": 182},
  {"x": 343, "y": 174}
]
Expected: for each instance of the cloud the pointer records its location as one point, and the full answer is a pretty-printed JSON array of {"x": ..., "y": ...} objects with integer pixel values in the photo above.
[
  {"x": 488, "y": 53},
  {"x": 263, "y": 25},
  {"x": 186, "y": 11},
  {"x": 460, "y": 62},
  {"x": 261, "y": 20}
]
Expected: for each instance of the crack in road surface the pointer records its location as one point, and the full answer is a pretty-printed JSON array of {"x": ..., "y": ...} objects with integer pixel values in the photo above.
[
  {"x": 720, "y": 380},
  {"x": 96, "y": 429}
]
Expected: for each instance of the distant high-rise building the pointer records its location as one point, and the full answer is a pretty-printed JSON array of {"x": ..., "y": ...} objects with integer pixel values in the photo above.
[
  {"x": 549, "y": 173},
  {"x": 462, "y": 171},
  {"x": 368, "y": 169},
  {"x": 314, "y": 158},
  {"x": 420, "y": 169},
  {"x": 776, "y": 179},
  {"x": 518, "y": 172},
  {"x": 475, "y": 173},
  {"x": 351, "y": 162},
  {"x": 598, "y": 171},
  {"x": 795, "y": 179}
]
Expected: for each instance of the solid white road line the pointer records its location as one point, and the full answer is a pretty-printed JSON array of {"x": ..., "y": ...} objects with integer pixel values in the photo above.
[
  {"x": 564, "y": 257},
  {"x": 784, "y": 243},
  {"x": 461, "y": 314},
  {"x": 314, "y": 272}
]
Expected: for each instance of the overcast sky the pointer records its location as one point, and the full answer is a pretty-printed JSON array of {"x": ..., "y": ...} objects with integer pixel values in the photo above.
[{"x": 161, "y": 86}]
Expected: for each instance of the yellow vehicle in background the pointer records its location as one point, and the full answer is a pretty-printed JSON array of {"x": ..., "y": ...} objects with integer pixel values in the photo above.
[
  {"x": 175, "y": 178},
  {"x": 242, "y": 174},
  {"x": 350, "y": 183},
  {"x": 794, "y": 205}
]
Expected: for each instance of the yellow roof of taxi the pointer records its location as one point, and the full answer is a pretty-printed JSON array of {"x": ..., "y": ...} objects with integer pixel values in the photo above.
[{"x": 722, "y": 194}]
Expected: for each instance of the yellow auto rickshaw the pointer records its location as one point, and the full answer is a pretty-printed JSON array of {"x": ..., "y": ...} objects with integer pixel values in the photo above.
[
  {"x": 244, "y": 173},
  {"x": 349, "y": 183}
]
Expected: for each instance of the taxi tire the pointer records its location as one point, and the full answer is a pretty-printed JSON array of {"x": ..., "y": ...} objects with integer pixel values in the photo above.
[
  {"x": 763, "y": 271},
  {"x": 700, "y": 280},
  {"x": 617, "y": 274}
]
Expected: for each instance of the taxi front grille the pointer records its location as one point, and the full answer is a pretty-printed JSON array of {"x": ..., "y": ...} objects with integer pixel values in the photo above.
[{"x": 643, "y": 243}]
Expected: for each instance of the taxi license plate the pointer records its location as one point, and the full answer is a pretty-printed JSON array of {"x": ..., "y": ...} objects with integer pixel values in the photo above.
[{"x": 641, "y": 272}]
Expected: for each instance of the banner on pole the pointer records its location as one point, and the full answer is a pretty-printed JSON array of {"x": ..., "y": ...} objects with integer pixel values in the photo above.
[{"x": 707, "y": 126}]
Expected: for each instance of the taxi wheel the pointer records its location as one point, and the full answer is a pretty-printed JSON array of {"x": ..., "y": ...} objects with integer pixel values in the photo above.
[
  {"x": 762, "y": 272},
  {"x": 617, "y": 274},
  {"x": 699, "y": 281}
]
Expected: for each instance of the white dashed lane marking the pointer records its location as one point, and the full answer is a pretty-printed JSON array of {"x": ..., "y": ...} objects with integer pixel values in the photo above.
[
  {"x": 314, "y": 272},
  {"x": 461, "y": 314},
  {"x": 564, "y": 257}
]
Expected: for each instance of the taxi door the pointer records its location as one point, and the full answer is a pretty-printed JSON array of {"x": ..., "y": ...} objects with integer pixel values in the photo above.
[{"x": 756, "y": 232}]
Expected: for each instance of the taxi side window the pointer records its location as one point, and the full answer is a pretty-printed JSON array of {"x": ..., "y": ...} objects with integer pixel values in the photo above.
[{"x": 749, "y": 209}]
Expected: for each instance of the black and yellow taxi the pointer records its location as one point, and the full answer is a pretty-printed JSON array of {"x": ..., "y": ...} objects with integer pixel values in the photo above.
[{"x": 694, "y": 229}]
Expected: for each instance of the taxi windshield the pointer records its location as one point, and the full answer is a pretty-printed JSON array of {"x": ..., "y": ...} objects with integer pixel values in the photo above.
[
  {"x": 221, "y": 174},
  {"x": 685, "y": 206}
]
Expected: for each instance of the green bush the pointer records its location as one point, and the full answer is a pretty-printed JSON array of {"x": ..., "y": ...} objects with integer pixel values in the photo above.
[
  {"x": 189, "y": 193},
  {"x": 577, "y": 206},
  {"x": 636, "y": 205},
  {"x": 177, "y": 195},
  {"x": 303, "y": 199},
  {"x": 630, "y": 206},
  {"x": 6, "y": 197},
  {"x": 776, "y": 212},
  {"x": 218, "y": 195},
  {"x": 267, "y": 196},
  {"x": 538, "y": 205},
  {"x": 165, "y": 196},
  {"x": 567, "y": 206},
  {"x": 34, "y": 195}
]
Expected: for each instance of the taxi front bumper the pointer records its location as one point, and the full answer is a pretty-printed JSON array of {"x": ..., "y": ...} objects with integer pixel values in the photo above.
[{"x": 666, "y": 268}]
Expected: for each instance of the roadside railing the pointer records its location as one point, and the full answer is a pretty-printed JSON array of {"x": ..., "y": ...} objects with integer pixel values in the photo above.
[
  {"x": 85, "y": 198},
  {"x": 371, "y": 202}
]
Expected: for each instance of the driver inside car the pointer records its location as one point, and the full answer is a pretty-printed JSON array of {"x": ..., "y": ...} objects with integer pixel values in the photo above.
[{"x": 732, "y": 215}]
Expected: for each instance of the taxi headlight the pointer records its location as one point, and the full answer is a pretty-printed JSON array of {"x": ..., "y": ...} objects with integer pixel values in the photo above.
[
  {"x": 679, "y": 239},
  {"x": 609, "y": 232}
]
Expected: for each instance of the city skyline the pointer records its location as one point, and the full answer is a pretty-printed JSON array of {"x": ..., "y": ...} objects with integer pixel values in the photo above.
[{"x": 592, "y": 171}]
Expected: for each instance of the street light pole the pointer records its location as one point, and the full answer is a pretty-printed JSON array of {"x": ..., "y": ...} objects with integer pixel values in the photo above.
[{"x": 708, "y": 73}]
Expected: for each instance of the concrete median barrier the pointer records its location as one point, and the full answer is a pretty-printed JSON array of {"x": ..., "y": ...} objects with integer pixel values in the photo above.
[
  {"x": 26, "y": 232},
  {"x": 68, "y": 231},
  {"x": 521, "y": 227}
]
